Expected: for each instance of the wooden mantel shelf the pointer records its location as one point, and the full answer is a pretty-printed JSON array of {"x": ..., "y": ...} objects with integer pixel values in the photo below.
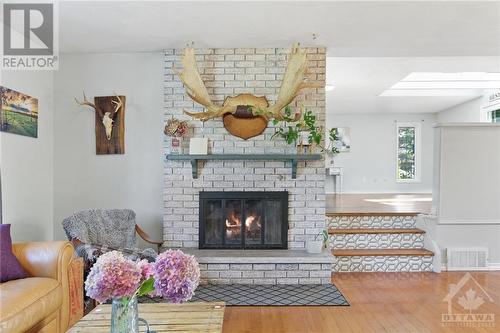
[{"x": 294, "y": 158}]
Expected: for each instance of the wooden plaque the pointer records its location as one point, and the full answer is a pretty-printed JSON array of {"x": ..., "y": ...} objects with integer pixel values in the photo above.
[{"x": 116, "y": 145}]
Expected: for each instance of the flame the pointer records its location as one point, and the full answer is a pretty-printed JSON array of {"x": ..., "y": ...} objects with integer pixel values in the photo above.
[{"x": 233, "y": 225}]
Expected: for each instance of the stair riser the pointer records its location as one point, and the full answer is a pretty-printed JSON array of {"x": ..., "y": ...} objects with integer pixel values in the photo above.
[
  {"x": 377, "y": 241},
  {"x": 352, "y": 222},
  {"x": 383, "y": 264}
]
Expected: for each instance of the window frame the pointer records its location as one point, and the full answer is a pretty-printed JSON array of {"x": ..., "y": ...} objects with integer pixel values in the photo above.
[{"x": 418, "y": 150}]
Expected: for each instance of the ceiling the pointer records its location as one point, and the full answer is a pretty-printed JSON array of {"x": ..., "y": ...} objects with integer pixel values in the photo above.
[
  {"x": 371, "y": 45},
  {"x": 349, "y": 28},
  {"x": 359, "y": 81}
]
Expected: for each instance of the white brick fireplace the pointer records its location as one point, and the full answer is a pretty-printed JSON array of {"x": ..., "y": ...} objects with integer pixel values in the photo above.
[{"x": 228, "y": 72}]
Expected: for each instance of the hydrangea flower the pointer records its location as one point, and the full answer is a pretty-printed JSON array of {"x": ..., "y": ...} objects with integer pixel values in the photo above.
[
  {"x": 147, "y": 268},
  {"x": 176, "y": 276},
  {"x": 113, "y": 276}
]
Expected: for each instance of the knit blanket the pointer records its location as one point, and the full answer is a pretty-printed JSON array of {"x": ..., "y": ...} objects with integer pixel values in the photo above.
[{"x": 104, "y": 229}]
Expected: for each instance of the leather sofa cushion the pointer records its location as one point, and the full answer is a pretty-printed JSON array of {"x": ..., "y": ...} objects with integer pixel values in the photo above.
[{"x": 25, "y": 302}]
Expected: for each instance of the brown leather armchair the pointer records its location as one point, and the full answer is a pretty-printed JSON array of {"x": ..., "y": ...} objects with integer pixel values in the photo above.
[{"x": 51, "y": 299}]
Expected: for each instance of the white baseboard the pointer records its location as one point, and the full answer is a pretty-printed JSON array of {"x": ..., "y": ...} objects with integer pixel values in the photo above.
[{"x": 493, "y": 266}]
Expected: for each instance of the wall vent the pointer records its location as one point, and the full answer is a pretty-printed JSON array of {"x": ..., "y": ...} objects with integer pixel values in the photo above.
[{"x": 467, "y": 258}]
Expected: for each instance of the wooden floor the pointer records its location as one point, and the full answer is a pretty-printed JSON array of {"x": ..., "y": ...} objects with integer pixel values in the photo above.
[
  {"x": 378, "y": 203},
  {"x": 380, "y": 302}
]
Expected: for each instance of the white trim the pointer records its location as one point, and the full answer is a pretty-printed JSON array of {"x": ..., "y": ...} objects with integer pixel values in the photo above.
[
  {"x": 493, "y": 266},
  {"x": 468, "y": 222},
  {"x": 418, "y": 153},
  {"x": 466, "y": 125}
]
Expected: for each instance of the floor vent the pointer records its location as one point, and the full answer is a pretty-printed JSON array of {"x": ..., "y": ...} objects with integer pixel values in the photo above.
[{"x": 467, "y": 258}]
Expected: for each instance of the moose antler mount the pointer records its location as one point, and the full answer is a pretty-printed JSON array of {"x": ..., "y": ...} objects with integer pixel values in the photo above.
[
  {"x": 245, "y": 115},
  {"x": 109, "y": 123}
]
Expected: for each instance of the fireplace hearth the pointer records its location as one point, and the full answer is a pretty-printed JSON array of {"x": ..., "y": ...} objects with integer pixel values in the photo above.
[{"x": 243, "y": 220}]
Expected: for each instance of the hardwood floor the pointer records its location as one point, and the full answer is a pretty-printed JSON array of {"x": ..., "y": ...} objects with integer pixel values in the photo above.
[
  {"x": 378, "y": 203},
  {"x": 380, "y": 302}
]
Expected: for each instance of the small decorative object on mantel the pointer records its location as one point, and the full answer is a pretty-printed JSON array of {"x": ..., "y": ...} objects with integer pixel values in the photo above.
[
  {"x": 176, "y": 130},
  {"x": 246, "y": 115},
  {"x": 173, "y": 276},
  {"x": 109, "y": 123},
  {"x": 198, "y": 146}
]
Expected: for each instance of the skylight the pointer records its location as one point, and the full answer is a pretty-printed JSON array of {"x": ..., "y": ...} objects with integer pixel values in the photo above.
[{"x": 444, "y": 84}]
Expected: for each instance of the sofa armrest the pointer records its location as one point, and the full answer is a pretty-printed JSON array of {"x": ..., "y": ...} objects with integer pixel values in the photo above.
[
  {"x": 50, "y": 260},
  {"x": 45, "y": 259}
]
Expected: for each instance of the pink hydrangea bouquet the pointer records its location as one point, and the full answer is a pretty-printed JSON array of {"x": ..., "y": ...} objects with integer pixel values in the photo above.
[{"x": 174, "y": 276}]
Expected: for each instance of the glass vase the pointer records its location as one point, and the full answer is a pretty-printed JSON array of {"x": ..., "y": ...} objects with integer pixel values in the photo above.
[
  {"x": 176, "y": 146},
  {"x": 124, "y": 315}
]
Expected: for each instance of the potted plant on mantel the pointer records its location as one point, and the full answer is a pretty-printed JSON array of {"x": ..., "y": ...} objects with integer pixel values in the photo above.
[{"x": 294, "y": 132}]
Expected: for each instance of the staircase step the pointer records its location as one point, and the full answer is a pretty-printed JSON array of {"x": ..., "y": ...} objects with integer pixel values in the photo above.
[
  {"x": 381, "y": 252},
  {"x": 379, "y": 240},
  {"x": 332, "y": 214},
  {"x": 335, "y": 231},
  {"x": 383, "y": 260},
  {"x": 361, "y": 221}
]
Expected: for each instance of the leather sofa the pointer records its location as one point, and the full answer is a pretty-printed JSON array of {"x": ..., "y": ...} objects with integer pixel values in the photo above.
[{"x": 51, "y": 299}]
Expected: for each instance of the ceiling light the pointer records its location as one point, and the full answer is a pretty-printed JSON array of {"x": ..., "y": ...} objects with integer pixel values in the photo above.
[
  {"x": 329, "y": 87},
  {"x": 444, "y": 84}
]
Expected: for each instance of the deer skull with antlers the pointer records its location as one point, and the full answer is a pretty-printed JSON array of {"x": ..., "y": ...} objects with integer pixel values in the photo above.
[
  {"x": 245, "y": 115},
  {"x": 107, "y": 117}
]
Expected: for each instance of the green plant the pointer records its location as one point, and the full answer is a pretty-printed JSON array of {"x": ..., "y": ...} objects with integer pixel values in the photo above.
[
  {"x": 324, "y": 234},
  {"x": 289, "y": 130}
]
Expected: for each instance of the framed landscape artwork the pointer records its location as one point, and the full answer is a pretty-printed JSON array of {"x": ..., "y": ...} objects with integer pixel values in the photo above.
[
  {"x": 343, "y": 143},
  {"x": 19, "y": 113}
]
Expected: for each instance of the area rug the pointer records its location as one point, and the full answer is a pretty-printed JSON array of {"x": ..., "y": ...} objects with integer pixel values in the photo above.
[
  {"x": 266, "y": 295},
  {"x": 270, "y": 295}
]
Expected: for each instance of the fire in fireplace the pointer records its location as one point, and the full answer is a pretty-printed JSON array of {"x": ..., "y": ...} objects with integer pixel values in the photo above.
[{"x": 243, "y": 220}]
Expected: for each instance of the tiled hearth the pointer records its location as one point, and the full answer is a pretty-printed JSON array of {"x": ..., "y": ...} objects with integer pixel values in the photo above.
[{"x": 263, "y": 266}]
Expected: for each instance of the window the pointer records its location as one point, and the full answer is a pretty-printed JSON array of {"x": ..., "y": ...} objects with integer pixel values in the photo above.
[
  {"x": 495, "y": 116},
  {"x": 408, "y": 152}
]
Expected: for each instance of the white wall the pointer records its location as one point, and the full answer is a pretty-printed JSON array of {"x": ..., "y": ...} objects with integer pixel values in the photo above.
[
  {"x": 467, "y": 187},
  {"x": 133, "y": 180},
  {"x": 467, "y": 112},
  {"x": 27, "y": 163},
  {"x": 370, "y": 166}
]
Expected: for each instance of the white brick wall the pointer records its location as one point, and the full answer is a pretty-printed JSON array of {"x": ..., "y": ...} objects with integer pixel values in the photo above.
[{"x": 228, "y": 72}]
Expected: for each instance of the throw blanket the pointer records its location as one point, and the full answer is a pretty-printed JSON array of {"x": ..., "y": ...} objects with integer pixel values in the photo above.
[{"x": 104, "y": 229}]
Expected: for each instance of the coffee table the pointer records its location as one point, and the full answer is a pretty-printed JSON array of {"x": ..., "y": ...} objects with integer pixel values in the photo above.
[{"x": 162, "y": 317}]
